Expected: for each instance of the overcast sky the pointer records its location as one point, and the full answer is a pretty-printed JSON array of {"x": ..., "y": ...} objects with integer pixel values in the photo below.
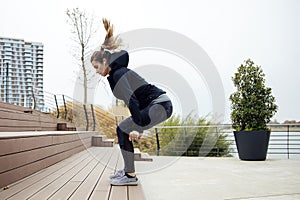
[{"x": 230, "y": 31}]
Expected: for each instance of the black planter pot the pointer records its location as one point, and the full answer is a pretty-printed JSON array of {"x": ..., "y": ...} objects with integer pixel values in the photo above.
[{"x": 252, "y": 145}]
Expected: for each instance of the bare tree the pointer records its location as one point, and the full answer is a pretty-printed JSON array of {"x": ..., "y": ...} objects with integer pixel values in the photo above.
[{"x": 82, "y": 29}]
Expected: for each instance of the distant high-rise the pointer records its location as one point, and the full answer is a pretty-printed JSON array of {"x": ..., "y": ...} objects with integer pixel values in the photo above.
[{"x": 21, "y": 72}]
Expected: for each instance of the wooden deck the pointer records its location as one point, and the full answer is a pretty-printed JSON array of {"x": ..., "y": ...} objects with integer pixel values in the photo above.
[{"x": 84, "y": 175}]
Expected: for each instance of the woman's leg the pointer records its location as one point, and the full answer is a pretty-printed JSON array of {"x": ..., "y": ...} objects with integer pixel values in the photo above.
[
  {"x": 127, "y": 150},
  {"x": 151, "y": 116}
]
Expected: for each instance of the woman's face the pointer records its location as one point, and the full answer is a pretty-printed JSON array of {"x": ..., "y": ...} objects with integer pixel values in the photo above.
[{"x": 101, "y": 68}]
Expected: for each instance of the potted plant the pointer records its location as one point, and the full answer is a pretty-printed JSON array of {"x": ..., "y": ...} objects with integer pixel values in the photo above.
[{"x": 252, "y": 107}]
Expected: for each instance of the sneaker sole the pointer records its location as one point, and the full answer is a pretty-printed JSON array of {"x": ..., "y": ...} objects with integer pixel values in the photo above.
[
  {"x": 126, "y": 184},
  {"x": 115, "y": 178}
]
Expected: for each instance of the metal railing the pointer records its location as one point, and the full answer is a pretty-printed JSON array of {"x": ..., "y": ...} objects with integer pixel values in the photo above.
[
  {"x": 285, "y": 140},
  {"x": 203, "y": 140},
  {"x": 88, "y": 117},
  {"x": 218, "y": 140}
]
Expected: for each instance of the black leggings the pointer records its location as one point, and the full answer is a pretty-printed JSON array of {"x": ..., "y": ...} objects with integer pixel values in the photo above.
[{"x": 151, "y": 115}]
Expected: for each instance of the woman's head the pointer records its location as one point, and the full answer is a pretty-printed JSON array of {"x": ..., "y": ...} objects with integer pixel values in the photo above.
[{"x": 100, "y": 59}]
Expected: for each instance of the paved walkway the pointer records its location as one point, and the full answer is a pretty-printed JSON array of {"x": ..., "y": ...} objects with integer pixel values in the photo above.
[{"x": 220, "y": 178}]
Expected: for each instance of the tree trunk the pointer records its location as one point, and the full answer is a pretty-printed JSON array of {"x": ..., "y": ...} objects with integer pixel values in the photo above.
[{"x": 84, "y": 75}]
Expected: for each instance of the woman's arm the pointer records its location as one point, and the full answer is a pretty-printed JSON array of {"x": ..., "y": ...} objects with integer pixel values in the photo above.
[{"x": 127, "y": 83}]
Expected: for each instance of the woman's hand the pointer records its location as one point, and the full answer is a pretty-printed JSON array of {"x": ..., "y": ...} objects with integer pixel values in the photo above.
[{"x": 135, "y": 136}]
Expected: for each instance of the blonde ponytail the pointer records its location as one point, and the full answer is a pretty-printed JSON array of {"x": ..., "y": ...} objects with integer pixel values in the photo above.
[{"x": 111, "y": 43}]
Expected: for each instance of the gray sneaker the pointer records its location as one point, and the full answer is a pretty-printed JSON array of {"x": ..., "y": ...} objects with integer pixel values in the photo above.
[
  {"x": 118, "y": 174},
  {"x": 124, "y": 181}
]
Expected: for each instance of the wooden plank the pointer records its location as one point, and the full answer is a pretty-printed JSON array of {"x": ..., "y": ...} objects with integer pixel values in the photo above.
[
  {"x": 22, "y": 120},
  {"x": 118, "y": 193},
  {"x": 13, "y": 107},
  {"x": 66, "y": 191},
  {"x": 103, "y": 187},
  {"x": 71, "y": 186},
  {"x": 59, "y": 157},
  {"x": 54, "y": 186},
  {"x": 120, "y": 162},
  {"x": 136, "y": 193},
  {"x": 8, "y": 146},
  {"x": 24, "y": 143},
  {"x": 81, "y": 181},
  {"x": 133, "y": 192},
  {"x": 6, "y": 114},
  {"x": 36, "y": 177},
  {"x": 86, "y": 188},
  {"x": 45, "y": 125},
  {"x": 18, "y": 123},
  {"x": 12, "y": 146},
  {"x": 91, "y": 181},
  {"x": 62, "y": 138},
  {"x": 20, "y": 159},
  {"x": 83, "y": 173},
  {"x": 37, "y": 186},
  {"x": 100, "y": 194},
  {"x": 48, "y": 119},
  {"x": 48, "y": 128},
  {"x": 21, "y": 172},
  {"x": 57, "y": 139},
  {"x": 10, "y": 110},
  {"x": 15, "y": 129}
]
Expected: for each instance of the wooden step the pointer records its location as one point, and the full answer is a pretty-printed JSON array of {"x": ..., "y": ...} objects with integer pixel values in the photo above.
[
  {"x": 84, "y": 175},
  {"x": 22, "y": 155},
  {"x": 102, "y": 141},
  {"x": 138, "y": 156},
  {"x": 17, "y": 118},
  {"x": 63, "y": 126}
]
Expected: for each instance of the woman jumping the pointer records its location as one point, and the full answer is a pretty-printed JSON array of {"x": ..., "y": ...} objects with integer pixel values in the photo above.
[{"x": 147, "y": 104}]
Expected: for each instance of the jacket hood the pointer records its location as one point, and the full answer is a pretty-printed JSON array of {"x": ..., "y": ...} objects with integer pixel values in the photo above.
[{"x": 118, "y": 60}]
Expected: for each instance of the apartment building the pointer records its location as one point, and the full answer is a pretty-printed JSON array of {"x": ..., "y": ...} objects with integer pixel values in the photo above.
[{"x": 21, "y": 73}]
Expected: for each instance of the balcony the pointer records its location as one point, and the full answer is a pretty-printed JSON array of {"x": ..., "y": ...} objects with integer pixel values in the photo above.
[
  {"x": 27, "y": 76},
  {"x": 7, "y": 57},
  {"x": 28, "y": 85},
  {"x": 29, "y": 60},
  {"x": 9, "y": 53},
  {"x": 7, "y": 48},
  {"x": 27, "y": 50}
]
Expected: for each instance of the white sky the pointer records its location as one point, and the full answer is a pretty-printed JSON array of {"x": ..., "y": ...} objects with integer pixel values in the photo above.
[{"x": 230, "y": 31}]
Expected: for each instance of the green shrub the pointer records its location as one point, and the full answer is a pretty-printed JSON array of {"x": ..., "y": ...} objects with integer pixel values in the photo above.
[
  {"x": 185, "y": 141},
  {"x": 252, "y": 104}
]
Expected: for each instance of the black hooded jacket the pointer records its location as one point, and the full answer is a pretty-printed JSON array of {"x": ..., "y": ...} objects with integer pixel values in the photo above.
[{"x": 128, "y": 86}]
